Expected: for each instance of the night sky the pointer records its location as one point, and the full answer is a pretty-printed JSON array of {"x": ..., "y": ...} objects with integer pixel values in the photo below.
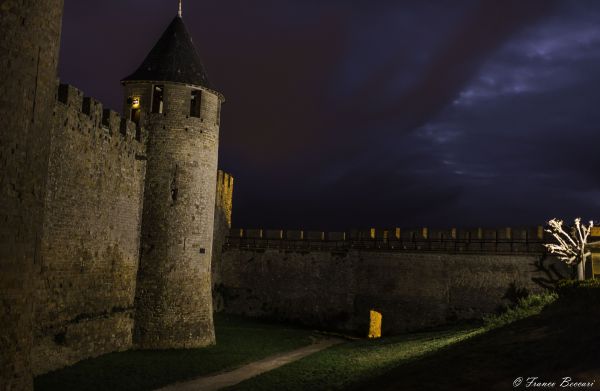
[{"x": 347, "y": 114}]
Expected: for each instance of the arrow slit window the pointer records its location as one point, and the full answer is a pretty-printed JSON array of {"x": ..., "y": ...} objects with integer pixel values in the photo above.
[
  {"x": 158, "y": 99},
  {"x": 195, "y": 103}
]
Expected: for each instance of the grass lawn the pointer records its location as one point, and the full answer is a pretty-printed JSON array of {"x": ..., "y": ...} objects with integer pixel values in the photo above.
[
  {"x": 342, "y": 365},
  {"x": 562, "y": 341},
  {"x": 239, "y": 341},
  {"x": 542, "y": 337}
]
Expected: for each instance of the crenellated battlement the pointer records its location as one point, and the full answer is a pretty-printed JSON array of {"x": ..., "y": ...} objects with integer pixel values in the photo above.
[
  {"x": 495, "y": 240},
  {"x": 92, "y": 218},
  {"x": 532, "y": 233},
  {"x": 91, "y": 117},
  {"x": 222, "y": 226},
  {"x": 70, "y": 96},
  {"x": 225, "y": 180}
]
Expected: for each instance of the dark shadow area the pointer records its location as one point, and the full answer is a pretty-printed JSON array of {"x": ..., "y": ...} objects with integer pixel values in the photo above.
[
  {"x": 514, "y": 293},
  {"x": 551, "y": 272},
  {"x": 239, "y": 341},
  {"x": 562, "y": 341}
]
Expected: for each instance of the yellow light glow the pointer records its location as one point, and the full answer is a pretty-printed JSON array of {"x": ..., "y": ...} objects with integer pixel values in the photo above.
[
  {"x": 375, "y": 324},
  {"x": 135, "y": 102},
  {"x": 596, "y": 265}
]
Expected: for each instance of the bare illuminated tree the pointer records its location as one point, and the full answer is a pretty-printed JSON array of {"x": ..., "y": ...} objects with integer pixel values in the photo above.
[{"x": 570, "y": 246}]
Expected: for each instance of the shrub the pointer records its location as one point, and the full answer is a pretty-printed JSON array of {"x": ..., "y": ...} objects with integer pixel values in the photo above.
[
  {"x": 585, "y": 291},
  {"x": 525, "y": 307}
]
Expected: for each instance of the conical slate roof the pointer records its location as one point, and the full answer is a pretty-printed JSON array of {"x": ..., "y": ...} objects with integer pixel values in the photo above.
[{"x": 174, "y": 58}]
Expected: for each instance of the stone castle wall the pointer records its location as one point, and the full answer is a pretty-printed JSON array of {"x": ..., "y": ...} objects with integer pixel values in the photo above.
[
  {"x": 29, "y": 43},
  {"x": 173, "y": 293},
  {"x": 223, "y": 209},
  {"x": 84, "y": 290},
  {"x": 336, "y": 289},
  {"x": 71, "y": 195},
  {"x": 89, "y": 252},
  {"x": 416, "y": 277}
]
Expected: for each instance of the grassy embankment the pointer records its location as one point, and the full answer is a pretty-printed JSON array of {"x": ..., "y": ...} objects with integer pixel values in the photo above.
[
  {"x": 541, "y": 336},
  {"x": 239, "y": 341},
  {"x": 549, "y": 336}
]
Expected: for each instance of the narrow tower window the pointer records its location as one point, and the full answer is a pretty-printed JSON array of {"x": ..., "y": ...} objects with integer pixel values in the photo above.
[
  {"x": 157, "y": 99},
  {"x": 195, "y": 103},
  {"x": 219, "y": 113},
  {"x": 174, "y": 189}
]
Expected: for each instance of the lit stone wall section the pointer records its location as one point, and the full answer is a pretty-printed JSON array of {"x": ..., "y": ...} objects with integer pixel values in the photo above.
[
  {"x": 223, "y": 209},
  {"x": 90, "y": 247},
  {"x": 412, "y": 290},
  {"x": 29, "y": 42},
  {"x": 173, "y": 297}
]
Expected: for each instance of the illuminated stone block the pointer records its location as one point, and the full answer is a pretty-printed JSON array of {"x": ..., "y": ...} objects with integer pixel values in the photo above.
[
  {"x": 375, "y": 324},
  {"x": 595, "y": 265}
]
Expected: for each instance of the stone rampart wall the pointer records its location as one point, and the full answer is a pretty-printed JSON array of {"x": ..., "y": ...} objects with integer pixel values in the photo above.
[
  {"x": 90, "y": 245},
  {"x": 336, "y": 289},
  {"x": 223, "y": 209}
]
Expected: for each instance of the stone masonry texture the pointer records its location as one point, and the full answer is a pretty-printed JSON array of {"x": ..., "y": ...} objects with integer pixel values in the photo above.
[
  {"x": 109, "y": 230},
  {"x": 223, "y": 210},
  {"x": 336, "y": 290},
  {"x": 173, "y": 293},
  {"x": 29, "y": 42},
  {"x": 73, "y": 178},
  {"x": 89, "y": 253}
]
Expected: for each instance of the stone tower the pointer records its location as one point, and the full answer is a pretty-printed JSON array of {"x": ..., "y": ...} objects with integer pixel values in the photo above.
[
  {"x": 170, "y": 96},
  {"x": 29, "y": 42}
]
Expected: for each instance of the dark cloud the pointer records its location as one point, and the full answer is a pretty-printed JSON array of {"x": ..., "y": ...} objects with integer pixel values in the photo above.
[{"x": 348, "y": 114}]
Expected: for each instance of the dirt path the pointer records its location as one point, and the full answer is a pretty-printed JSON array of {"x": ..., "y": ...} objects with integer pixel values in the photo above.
[{"x": 226, "y": 379}]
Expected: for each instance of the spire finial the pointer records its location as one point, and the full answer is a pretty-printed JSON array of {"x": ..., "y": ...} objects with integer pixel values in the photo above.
[{"x": 180, "y": 13}]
